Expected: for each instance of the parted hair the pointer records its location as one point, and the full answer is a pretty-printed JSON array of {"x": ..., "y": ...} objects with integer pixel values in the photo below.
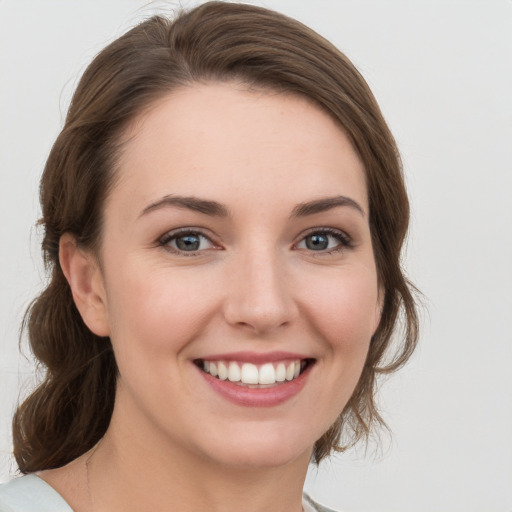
[{"x": 71, "y": 408}]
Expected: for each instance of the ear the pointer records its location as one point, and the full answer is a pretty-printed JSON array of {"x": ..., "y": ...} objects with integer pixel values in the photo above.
[{"x": 86, "y": 282}]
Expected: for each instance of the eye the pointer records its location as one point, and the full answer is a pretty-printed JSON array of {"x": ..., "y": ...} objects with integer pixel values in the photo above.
[
  {"x": 186, "y": 241},
  {"x": 325, "y": 240}
]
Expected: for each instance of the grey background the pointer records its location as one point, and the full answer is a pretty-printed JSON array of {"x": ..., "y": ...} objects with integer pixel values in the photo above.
[{"x": 442, "y": 73}]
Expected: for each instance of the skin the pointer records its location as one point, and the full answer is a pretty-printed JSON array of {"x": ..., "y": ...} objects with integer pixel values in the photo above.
[{"x": 254, "y": 285}]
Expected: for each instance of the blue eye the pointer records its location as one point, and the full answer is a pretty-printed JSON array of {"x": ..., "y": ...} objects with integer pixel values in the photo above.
[
  {"x": 186, "y": 241},
  {"x": 317, "y": 242},
  {"x": 324, "y": 241}
]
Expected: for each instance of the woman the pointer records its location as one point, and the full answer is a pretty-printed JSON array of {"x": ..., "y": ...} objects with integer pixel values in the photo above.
[{"x": 224, "y": 212}]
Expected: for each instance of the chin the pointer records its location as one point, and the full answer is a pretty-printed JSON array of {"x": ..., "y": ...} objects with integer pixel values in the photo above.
[
  {"x": 262, "y": 459},
  {"x": 261, "y": 449}
]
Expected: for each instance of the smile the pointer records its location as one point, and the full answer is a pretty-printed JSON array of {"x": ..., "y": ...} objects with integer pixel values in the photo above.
[{"x": 255, "y": 375}]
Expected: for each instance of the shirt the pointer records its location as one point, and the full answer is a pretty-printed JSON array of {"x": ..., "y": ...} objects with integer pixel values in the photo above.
[{"x": 30, "y": 493}]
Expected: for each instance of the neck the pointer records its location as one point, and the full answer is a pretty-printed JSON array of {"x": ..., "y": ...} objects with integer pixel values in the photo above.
[{"x": 142, "y": 470}]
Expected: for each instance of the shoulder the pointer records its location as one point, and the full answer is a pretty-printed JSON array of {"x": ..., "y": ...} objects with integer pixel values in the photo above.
[
  {"x": 30, "y": 494},
  {"x": 309, "y": 505}
]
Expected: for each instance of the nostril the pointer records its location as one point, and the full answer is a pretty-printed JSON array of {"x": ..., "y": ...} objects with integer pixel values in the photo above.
[{"x": 262, "y": 307}]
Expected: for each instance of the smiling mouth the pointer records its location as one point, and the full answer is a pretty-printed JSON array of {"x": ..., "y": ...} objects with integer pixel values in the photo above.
[{"x": 255, "y": 375}]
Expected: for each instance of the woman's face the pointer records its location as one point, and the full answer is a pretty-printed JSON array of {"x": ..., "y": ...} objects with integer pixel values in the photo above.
[{"x": 236, "y": 243}]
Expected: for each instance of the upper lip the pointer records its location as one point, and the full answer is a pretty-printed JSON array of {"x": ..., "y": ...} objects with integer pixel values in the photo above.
[{"x": 255, "y": 357}]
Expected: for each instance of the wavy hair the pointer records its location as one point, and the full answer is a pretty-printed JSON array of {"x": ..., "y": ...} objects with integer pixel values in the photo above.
[{"x": 217, "y": 41}]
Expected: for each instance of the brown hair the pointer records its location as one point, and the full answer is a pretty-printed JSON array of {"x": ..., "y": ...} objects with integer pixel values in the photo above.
[{"x": 71, "y": 409}]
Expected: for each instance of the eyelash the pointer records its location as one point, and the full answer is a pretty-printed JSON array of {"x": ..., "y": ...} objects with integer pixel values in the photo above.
[
  {"x": 174, "y": 235},
  {"x": 344, "y": 240}
]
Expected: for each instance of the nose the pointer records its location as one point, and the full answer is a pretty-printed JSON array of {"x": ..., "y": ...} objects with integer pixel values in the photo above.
[{"x": 259, "y": 295}]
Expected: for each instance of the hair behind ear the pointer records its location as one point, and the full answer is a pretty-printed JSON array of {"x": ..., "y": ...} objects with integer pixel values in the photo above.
[{"x": 70, "y": 410}]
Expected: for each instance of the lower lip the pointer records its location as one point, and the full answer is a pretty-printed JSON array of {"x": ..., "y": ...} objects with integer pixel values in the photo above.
[{"x": 257, "y": 397}]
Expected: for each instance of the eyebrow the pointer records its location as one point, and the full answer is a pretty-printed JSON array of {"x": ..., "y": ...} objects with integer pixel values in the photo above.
[
  {"x": 325, "y": 204},
  {"x": 215, "y": 209},
  {"x": 212, "y": 208}
]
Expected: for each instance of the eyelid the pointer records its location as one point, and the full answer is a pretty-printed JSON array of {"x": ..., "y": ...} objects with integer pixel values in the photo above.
[
  {"x": 345, "y": 241},
  {"x": 164, "y": 240}
]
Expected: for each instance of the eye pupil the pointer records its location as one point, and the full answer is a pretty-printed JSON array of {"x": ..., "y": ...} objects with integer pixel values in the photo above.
[
  {"x": 188, "y": 243},
  {"x": 317, "y": 242}
]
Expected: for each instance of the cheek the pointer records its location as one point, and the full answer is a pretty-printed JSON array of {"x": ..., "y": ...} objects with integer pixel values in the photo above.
[
  {"x": 343, "y": 313},
  {"x": 345, "y": 310},
  {"x": 154, "y": 313}
]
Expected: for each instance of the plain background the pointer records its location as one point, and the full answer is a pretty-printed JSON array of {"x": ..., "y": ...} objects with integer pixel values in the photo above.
[{"x": 442, "y": 73}]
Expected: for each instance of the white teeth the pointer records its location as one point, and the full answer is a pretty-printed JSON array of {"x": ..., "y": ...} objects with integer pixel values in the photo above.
[
  {"x": 234, "y": 372},
  {"x": 248, "y": 373},
  {"x": 222, "y": 370},
  {"x": 280, "y": 372},
  {"x": 290, "y": 371},
  {"x": 267, "y": 374}
]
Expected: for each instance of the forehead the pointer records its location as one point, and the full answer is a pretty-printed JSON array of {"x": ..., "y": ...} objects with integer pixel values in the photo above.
[{"x": 223, "y": 142}]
